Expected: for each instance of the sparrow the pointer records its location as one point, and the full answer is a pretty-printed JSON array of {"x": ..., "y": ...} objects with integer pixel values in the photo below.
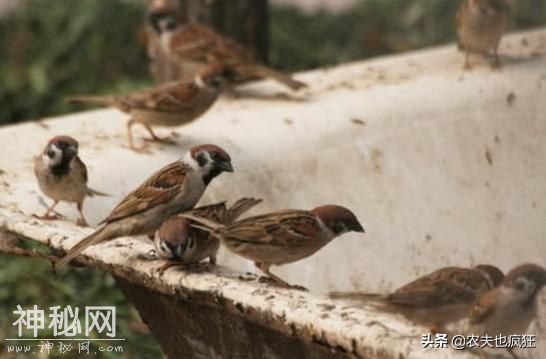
[
  {"x": 172, "y": 104},
  {"x": 480, "y": 26},
  {"x": 282, "y": 237},
  {"x": 193, "y": 45},
  {"x": 180, "y": 243},
  {"x": 62, "y": 176},
  {"x": 436, "y": 299},
  {"x": 175, "y": 188},
  {"x": 510, "y": 308}
]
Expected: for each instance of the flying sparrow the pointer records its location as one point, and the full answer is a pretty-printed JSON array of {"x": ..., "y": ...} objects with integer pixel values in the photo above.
[
  {"x": 173, "y": 104},
  {"x": 284, "y": 236},
  {"x": 439, "y": 298},
  {"x": 180, "y": 243},
  {"x": 510, "y": 308},
  {"x": 480, "y": 26},
  {"x": 173, "y": 189},
  {"x": 62, "y": 175},
  {"x": 192, "y": 45}
]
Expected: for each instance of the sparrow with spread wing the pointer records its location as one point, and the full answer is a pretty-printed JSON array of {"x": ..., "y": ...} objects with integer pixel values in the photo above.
[
  {"x": 436, "y": 299},
  {"x": 192, "y": 45},
  {"x": 173, "y": 189},
  {"x": 181, "y": 244},
  {"x": 173, "y": 104},
  {"x": 284, "y": 236},
  {"x": 62, "y": 175}
]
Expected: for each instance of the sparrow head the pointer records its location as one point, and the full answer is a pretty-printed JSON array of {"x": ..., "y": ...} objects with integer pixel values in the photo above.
[
  {"x": 493, "y": 274},
  {"x": 488, "y": 8},
  {"x": 338, "y": 219},
  {"x": 175, "y": 239},
  {"x": 525, "y": 281},
  {"x": 60, "y": 150},
  {"x": 165, "y": 19},
  {"x": 214, "y": 76},
  {"x": 211, "y": 161}
]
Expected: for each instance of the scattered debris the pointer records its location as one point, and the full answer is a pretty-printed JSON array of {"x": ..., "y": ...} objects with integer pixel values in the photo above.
[
  {"x": 510, "y": 98},
  {"x": 489, "y": 157},
  {"x": 358, "y": 121},
  {"x": 288, "y": 121}
]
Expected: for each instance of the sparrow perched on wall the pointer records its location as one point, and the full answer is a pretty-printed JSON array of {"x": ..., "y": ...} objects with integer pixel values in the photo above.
[
  {"x": 439, "y": 298},
  {"x": 480, "y": 25},
  {"x": 180, "y": 243},
  {"x": 510, "y": 308},
  {"x": 192, "y": 46},
  {"x": 173, "y": 189},
  {"x": 173, "y": 104},
  {"x": 284, "y": 236},
  {"x": 62, "y": 175}
]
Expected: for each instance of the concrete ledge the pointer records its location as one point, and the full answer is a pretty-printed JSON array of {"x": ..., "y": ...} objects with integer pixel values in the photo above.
[{"x": 443, "y": 167}]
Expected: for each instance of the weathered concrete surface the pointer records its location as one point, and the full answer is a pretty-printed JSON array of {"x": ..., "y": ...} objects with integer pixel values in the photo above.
[{"x": 443, "y": 167}]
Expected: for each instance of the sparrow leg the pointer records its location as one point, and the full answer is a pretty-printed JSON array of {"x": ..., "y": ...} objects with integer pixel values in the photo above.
[
  {"x": 212, "y": 260},
  {"x": 495, "y": 63},
  {"x": 81, "y": 221},
  {"x": 467, "y": 66},
  {"x": 47, "y": 216},
  {"x": 132, "y": 146},
  {"x": 156, "y": 138},
  {"x": 264, "y": 267}
]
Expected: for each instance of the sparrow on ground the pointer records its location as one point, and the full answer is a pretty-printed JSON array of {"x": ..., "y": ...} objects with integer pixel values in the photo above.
[
  {"x": 480, "y": 26},
  {"x": 173, "y": 189},
  {"x": 439, "y": 298},
  {"x": 181, "y": 244},
  {"x": 510, "y": 308},
  {"x": 169, "y": 105},
  {"x": 192, "y": 46},
  {"x": 62, "y": 176},
  {"x": 282, "y": 237}
]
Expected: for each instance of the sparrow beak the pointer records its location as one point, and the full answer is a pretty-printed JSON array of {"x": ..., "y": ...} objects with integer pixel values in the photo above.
[
  {"x": 358, "y": 228},
  {"x": 225, "y": 166}
]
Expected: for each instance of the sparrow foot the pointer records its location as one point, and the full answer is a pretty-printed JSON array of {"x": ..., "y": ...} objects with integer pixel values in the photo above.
[
  {"x": 194, "y": 267},
  {"x": 48, "y": 217},
  {"x": 169, "y": 140},
  {"x": 82, "y": 223}
]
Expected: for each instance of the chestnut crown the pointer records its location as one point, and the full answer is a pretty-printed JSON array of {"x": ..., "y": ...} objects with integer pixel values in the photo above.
[{"x": 338, "y": 219}]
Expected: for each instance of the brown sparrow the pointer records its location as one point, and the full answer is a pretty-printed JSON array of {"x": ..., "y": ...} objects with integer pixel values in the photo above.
[
  {"x": 480, "y": 26},
  {"x": 173, "y": 189},
  {"x": 62, "y": 175},
  {"x": 439, "y": 298},
  {"x": 180, "y": 243},
  {"x": 510, "y": 308},
  {"x": 191, "y": 45},
  {"x": 173, "y": 104},
  {"x": 284, "y": 236}
]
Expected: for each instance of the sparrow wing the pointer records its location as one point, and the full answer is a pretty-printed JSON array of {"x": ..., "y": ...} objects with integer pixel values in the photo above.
[
  {"x": 214, "y": 212},
  {"x": 450, "y": 285},
  {"x": 82, "y": 167},
  {"x": 283, "y": 228},
  {"x": 159, "y": 189},
  {"x": 168, "y": 98},
  {"x": 203, "y": 45}
]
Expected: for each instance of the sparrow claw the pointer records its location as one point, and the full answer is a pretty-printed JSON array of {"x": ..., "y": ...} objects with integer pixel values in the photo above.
[
  {"x": 193, "y": 267},
  {"x": 48, "y": 217},
  {"x": 164, "y": 140}
]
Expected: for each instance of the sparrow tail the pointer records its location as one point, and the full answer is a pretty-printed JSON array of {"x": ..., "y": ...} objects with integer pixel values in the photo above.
[
  {"x": 92, "y": 192},
  {"x": 95, "y": 237},
  {"x": 241, "y": 206},
  {"x": 203, "y": 223},
  {"x": 255, "y": 70},
  {"x": 106, "y": 100}
]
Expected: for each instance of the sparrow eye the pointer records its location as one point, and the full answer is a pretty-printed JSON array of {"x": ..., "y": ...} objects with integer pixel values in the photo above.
[{"x": 51, "y": 154}]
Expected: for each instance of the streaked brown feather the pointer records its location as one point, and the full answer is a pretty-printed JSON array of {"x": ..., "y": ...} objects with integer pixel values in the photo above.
[{"x": 160, "y": 188}]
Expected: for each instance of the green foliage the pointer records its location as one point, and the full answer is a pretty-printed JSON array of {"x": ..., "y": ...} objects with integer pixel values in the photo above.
[
  {"x": 29, "y": 282},
  {"x": 371, "y": 28},
  {"x": 50, "y": 49}
]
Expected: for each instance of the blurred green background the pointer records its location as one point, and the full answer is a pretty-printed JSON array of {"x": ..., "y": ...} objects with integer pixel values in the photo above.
[{"x": 52, "y": 48}]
